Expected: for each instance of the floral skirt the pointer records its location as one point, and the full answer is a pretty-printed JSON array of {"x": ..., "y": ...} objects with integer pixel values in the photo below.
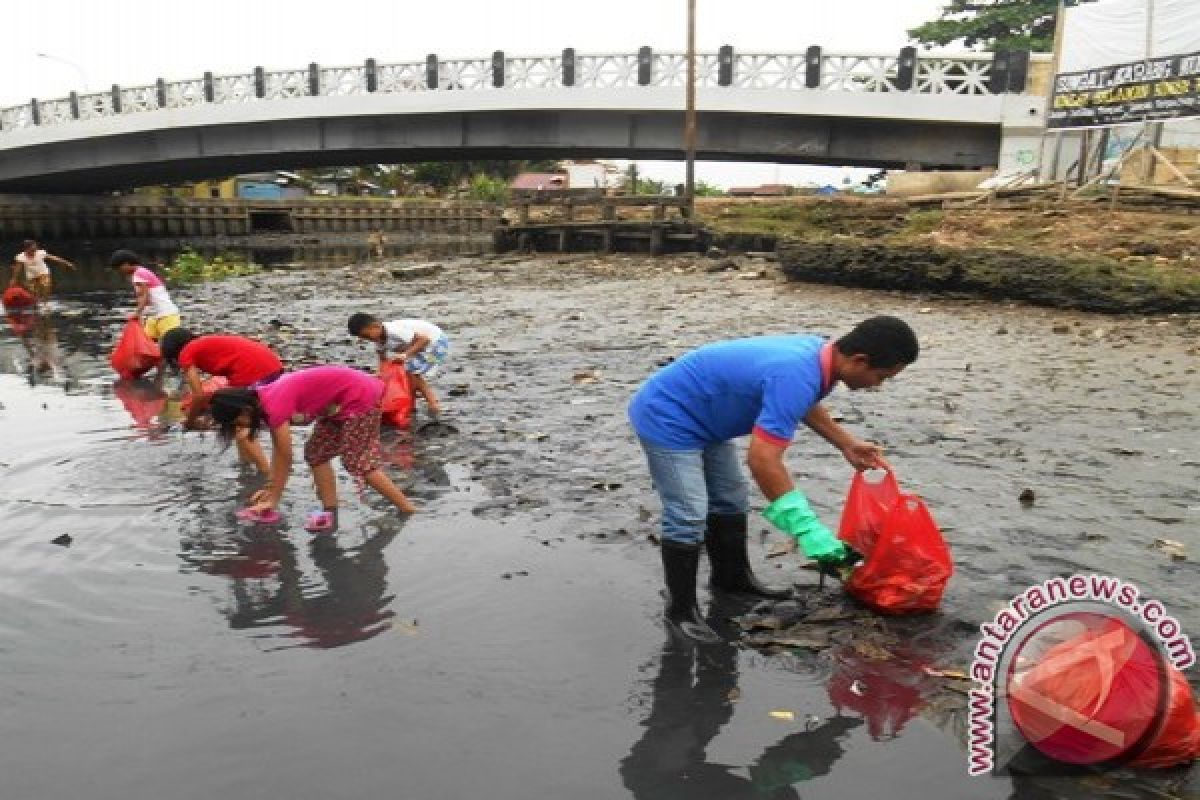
[{"x": 354, "y": 439}]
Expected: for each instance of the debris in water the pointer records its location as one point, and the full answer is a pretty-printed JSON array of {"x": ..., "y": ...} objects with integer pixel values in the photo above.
[
  {"x": 520, "y": 573},
  {"x": 957, "y": 675},
  {"x": 1176, "y": 550},
  {"x": 1026, "y": 497},
  {"x": 783, "y": 548},
  {"x": 62, "y": 541},
  {"x": 586, "y": 376},
  {"x": 783, "y": 716},
  {"x": 606, "y": 487}
]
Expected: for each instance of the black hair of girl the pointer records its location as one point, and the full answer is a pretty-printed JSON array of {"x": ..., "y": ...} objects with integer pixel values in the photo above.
[
  {"x": 227, "y": 405},
  {"x": 172, "y": 344},
  {"x": 123, "y": 256}
]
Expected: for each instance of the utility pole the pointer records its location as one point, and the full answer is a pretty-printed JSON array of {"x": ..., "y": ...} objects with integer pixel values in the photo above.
[{"x": 689, "y": 122}]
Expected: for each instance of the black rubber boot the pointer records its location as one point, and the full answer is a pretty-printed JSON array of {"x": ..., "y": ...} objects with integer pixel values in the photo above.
[
  {"x": 726, "y": 543},
  {"x": 680, "y": 564}
]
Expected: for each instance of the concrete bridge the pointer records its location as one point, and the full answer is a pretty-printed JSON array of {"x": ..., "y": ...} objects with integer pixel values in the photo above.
[{"x": 907, "y": 109}]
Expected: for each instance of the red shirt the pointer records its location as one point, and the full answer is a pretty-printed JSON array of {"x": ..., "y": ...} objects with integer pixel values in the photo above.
[{"x": 241, "y": 361}]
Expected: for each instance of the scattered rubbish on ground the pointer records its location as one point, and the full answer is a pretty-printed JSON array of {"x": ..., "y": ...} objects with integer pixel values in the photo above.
[{"x": 1176, "y": 550}]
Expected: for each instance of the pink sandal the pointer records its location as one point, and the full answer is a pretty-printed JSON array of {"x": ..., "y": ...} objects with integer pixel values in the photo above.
[
  {"x": 268, "y": 517},
  {"x": 321, "y": 522}
]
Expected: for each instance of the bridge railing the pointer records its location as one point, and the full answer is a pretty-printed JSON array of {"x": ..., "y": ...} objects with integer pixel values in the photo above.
[{"x": 905, "y": 71}]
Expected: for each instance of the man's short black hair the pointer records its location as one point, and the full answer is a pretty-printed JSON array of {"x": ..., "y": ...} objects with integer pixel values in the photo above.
[
  {"x": 359, "y": 322},
  {"x": 28, "y": 243},
  {"x": 886, "y": 342},
  {"x": 122, "y": 257},
  {"x": 172, "y": 344}
]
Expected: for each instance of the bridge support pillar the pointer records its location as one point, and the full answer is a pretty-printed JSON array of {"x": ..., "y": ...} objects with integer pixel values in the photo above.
[
  {"x": 314, "y": 80},
  {"x": 431, "y": 71},
  {"x": 906, "y": 68},
  {"x": 725, "y": 66},
  {"x": 371, "y": 69},
  {"x": 210, "y": 89},
  {"x": 498, "y": 69},
  {"x": 260, "y": 82},
  {"x": 812, "y": 67},
  {"x": 568, "y": 66},
  {"x": 645, "y": 62}
]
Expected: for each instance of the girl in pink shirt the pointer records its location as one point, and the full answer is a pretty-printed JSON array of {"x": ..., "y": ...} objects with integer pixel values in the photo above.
[{"x": 344, "y": 403}]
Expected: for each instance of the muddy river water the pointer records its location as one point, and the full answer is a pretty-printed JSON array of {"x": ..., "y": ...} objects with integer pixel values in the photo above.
[{"x": 504, "y": 643}]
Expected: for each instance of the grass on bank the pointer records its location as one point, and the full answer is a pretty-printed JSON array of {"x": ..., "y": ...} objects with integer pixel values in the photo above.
[{"x": 191, "y": 267}]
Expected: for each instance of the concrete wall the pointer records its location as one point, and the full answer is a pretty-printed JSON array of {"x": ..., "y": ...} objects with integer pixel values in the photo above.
[{"x": 907, "y": 184}]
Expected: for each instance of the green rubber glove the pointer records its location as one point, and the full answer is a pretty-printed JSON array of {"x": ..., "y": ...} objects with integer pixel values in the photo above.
[{"x": 792, "y": 514}]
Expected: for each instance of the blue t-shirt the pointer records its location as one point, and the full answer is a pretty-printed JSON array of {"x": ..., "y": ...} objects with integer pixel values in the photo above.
[{"x": 729, "y": 389}]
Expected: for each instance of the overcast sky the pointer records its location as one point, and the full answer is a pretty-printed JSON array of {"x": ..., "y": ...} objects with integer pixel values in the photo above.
[{"x": 133, "y": 42}]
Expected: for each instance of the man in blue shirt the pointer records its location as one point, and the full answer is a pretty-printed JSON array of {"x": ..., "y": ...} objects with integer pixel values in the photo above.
[{"x": 687, "y": 415}]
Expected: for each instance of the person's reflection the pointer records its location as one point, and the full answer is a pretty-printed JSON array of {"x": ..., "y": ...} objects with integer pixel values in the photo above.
[
  {"x": 39, "y": 336},
  {"x": 355, "y": 604},
  {"x": 692, "y": 698},
  {"x": 269, "y": 586}
]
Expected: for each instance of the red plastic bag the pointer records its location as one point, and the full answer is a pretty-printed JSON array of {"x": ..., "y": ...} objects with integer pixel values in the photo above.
[
  {"x": 1095, "y": 695},
  {"x": 906, "y": 562},
  {"x": 135, "y": 353},
  {"x": 16, "y": 297},
  {"x": 209, "y": 386},
  {"x": 1178, "y": 739},
  {"x": 397, "y": 401}
]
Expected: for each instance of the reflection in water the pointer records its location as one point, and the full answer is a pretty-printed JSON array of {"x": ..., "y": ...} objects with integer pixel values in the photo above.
[
  {"x": 692, "y": 698},
  {"x": 887, "y": 692},
  {"x": 346, "y": 601},
  {"x": 38, "y": 335}
]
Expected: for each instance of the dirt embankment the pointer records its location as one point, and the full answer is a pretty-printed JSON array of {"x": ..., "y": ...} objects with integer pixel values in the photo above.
[{"x": 1079, "y": 257}]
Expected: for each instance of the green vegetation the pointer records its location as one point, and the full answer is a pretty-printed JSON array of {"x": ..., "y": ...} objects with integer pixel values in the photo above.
[
  {"x": 708, "y": 190},
  {"x": 1084, "y": 256},
  {"x": 191, "y": 267},
  {"x": 993, "y": 24},
  {"x": 488, "y": 189}
]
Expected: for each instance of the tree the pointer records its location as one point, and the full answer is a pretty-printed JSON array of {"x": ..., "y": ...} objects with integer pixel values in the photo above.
[{"x": 993, "y": 25}]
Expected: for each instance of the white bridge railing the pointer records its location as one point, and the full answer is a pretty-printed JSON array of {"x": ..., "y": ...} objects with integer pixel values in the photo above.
[{"x": 907, "y": 71}]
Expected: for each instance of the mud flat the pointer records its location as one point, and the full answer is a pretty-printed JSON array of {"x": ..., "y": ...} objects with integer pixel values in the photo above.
[{"x": 504, "y": 643}]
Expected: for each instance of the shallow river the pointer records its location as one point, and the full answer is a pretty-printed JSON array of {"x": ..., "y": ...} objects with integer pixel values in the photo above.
[{"x": 505, "y": 643}]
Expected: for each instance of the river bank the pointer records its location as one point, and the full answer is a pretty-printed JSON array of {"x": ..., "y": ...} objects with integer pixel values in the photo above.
[
  {"x": 504, "y": 643},
  {"x": 1075, "y": 257}
]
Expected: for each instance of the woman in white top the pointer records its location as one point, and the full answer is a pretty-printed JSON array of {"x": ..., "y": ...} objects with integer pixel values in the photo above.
[
  {"x": 155, "y": 308},
  {"x": 31, "y": 261}
]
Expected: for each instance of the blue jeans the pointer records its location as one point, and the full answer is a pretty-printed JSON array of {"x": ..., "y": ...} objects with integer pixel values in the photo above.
[{"x": 693, "y": 484}]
